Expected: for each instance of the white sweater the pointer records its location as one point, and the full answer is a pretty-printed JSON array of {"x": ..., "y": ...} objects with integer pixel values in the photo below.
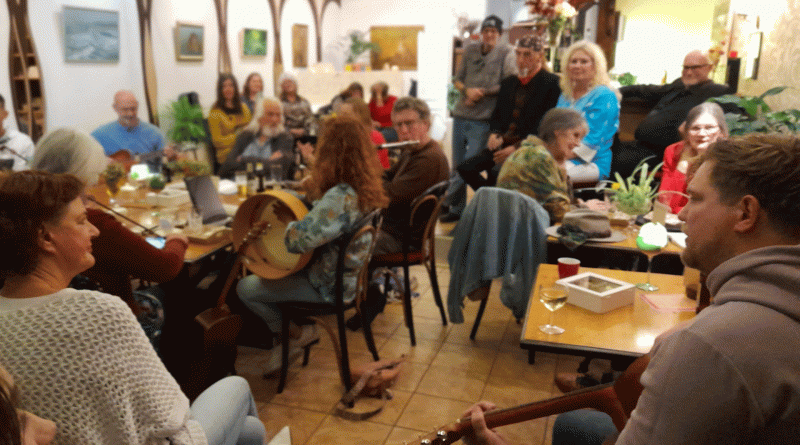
[{"x": 81, "y": 360}]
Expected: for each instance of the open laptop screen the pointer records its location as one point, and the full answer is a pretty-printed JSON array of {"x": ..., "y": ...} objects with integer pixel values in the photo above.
[{"x": 205, "y": 198}]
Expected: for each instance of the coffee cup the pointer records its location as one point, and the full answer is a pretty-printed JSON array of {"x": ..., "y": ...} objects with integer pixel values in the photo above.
[{"x": 568, "y": 267}]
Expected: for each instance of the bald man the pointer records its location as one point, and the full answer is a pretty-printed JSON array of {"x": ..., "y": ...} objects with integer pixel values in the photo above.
[
  {"x": 130, "y": 134},
  {"x": 671, "y": 103}
]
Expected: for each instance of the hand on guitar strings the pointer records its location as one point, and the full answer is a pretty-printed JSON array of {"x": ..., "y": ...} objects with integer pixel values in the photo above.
[{"x": 480, "y": 434}]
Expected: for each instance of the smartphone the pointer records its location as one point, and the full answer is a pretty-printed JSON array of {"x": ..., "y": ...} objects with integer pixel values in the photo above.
[{"x": 156, "y": 241}]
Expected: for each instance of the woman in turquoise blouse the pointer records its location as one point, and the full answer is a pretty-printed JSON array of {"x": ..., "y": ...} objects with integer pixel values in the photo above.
[
  {"x": 345, "y": 185},
  {"x": 585, "y": 87}
]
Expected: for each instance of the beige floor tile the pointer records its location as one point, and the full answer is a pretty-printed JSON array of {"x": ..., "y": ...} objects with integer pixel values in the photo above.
[
  {"x": 404, "y": 436},
  {"x": 410, "y": 375},
  {"x": 423, "y": 352},
  {"x": 335, "y": 430},
  {"x": 426, "y": 413},
  {"x": 425, "y": 328},
  {"x": 302, "y": 423},
  {"x": 506, "y": 396},
  {"x": 311, "y": 391},
  {"x": 391, "y": 408},
  {"x": 465, "y": 358},
  {"x": 513, "y": 370},
  {"x": 489, "y": 335},
  {"x": 530, "y": 432},
  {"x": 466, "y": 385}
]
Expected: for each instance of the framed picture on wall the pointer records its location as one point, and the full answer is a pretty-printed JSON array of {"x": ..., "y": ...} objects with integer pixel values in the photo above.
[
  {"x": 398, "y": 46},
  {"x": 253, "y": 42},
  {"x": 188, "y": 41},
  {"x": 300, "y": 46},
  {"x": 90, "y": 35}
]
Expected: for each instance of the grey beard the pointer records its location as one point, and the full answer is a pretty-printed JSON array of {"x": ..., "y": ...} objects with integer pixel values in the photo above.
[
  {"x": 271, "y": 132},
  {"x": 523, "y": 73}
]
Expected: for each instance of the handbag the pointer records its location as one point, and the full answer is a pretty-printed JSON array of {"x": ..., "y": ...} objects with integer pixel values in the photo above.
[{"x": 372, "y": 379}]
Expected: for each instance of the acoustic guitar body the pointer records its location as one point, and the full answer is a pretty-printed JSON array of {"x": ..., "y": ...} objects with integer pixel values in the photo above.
[{"x": 267, "y": 257}]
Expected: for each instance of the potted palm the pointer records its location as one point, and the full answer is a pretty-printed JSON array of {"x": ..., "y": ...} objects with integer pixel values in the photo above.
[{"x": 184, "y": 123}]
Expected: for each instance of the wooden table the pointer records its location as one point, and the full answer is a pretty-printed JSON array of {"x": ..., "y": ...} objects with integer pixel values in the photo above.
[
  {"x": 148, "y": 215},
  {"x": 623, "y": 334}
]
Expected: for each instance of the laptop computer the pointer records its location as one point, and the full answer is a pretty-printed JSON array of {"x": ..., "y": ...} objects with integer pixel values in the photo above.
[{"x": 205, "y": 198}]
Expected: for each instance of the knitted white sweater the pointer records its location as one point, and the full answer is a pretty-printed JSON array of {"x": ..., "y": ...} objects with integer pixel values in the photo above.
[{"x": 81, "y": 360}]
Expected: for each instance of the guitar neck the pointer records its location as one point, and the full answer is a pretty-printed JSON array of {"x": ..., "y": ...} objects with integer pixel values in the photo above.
[{"x": 601, "y": 397}]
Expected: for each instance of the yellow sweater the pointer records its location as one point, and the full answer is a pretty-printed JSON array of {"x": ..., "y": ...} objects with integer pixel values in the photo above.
[{"x": 224, "y": 127}]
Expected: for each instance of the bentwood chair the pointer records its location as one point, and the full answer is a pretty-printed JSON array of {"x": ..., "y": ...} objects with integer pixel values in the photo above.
[
  {"x": 422, "y": 219},
  {"x": 362, "y": 234}
]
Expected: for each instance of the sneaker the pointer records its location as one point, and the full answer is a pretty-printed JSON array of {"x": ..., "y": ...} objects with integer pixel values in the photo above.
[
  {"x": 308, "y": 336},
  {"x": 273, "y": 366}
]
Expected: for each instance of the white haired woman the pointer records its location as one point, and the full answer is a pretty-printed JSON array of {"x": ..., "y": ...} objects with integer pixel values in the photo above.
[
  {"x": 297, "y": 112},
  {"x": 585, "y": 86}
]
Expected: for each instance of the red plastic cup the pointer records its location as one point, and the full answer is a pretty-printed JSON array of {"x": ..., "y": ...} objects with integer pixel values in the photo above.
[{"x": 568, "y": 267}]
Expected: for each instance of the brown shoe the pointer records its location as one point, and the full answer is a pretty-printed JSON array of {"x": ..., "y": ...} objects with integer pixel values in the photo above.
[{"x": 571, "y": 381}]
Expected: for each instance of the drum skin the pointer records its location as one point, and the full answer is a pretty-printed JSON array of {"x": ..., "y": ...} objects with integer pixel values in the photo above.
[{"x": 267, "y": 257}]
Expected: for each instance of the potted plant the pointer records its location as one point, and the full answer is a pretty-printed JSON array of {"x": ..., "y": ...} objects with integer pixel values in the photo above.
[
  {"x": 757, "y": 116},
  {"x": 634, "y": 197},
  {"x": 358, "y": 46},
  {"x": 184, "y": 123}
]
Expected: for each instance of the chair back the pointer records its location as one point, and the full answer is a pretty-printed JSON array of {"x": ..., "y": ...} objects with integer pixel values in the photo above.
[
  {"x": 351, "y": 245},
  {"x": 424, "y": 214}
]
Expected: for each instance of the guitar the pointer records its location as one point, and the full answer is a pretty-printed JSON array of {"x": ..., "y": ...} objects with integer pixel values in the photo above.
[
  {"x": 127, "y": 159},
  {"x": 617, "y": 400}
]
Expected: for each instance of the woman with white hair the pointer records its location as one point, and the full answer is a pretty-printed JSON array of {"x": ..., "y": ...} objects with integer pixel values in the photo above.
[
  {"x": 120, "y": 253},
  {"x": 299, "y": 119},
  {"x": 585, "y": 86}
]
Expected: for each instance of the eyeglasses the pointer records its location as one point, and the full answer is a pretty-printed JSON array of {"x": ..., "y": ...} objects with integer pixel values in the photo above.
[
  {"x": 695, "y": 67},
  {"x": 408, "y": 124},
  {"x": 708, "y": 129}
]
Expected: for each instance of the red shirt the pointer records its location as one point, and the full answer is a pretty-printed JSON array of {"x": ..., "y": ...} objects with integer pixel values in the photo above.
[
  {"x": 121, "y": 254},
  {"x": 383, "y": 115},
  {"x": 383, "y": 153},
  {"x": 672, "y": 179}
]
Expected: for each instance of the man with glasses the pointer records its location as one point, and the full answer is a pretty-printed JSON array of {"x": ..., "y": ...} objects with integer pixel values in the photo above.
[
  {"x": 523, "y": 99},
  {"x": 671, "y": 103},
  {"x": 478, "y": 79}
]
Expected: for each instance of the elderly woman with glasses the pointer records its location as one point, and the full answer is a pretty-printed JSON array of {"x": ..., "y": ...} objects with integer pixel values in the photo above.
[{"x": 704, "y": 125}]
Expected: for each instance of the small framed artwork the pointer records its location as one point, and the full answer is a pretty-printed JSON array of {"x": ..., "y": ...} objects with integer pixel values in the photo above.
[
  {"x": 188, "y": 41},
  {"x": 398, "y": 46},
  {"x": 90, "y": 35},
  {"x": 254, "y": 42},
  {"x": 300, "y": 46}
]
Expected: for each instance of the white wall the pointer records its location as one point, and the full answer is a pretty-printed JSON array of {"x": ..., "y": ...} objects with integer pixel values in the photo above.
[
  {"x": 658, "y": 34},
  {"x": 297, "y": 12},
  {"x": 5, "y": 81},
  {"x": 257, "y": 16},
  {"x": 80, "y": 94}
]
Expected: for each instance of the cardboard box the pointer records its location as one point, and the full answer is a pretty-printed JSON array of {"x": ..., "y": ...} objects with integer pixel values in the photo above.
[
  {"x": 168, "y": 198},
  {"x": 598, "y": 293}
]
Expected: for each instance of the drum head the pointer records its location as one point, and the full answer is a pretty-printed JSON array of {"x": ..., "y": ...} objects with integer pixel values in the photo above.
[{"x": 267, "y": 257}]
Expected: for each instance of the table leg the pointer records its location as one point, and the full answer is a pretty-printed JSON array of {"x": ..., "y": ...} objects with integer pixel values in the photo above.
[{"x": 531, "y": 357}]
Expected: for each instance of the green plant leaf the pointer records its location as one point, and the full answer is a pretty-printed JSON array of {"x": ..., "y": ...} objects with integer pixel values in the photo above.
[{"x": 773, "y": 91}]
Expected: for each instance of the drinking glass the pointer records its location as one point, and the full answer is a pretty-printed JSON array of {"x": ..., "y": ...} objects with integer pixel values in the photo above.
[
  {"x": 647, "y": 286},
  {"x": 276, "y": 174},
  {"x": 554, "y": 298},
  {"x": 113, "y": 186}
]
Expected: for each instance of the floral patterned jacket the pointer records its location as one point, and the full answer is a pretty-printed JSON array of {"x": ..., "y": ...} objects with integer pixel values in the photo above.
[{"x": 330, "y": 217}]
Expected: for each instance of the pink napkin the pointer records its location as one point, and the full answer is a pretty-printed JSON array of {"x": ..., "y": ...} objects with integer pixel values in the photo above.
[{"x": 669, "y": 302}]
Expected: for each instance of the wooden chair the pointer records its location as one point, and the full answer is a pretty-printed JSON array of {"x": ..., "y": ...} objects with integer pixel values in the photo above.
[
  {"x": 424, "y": 213},
  {"x": 366, "y": 228}
]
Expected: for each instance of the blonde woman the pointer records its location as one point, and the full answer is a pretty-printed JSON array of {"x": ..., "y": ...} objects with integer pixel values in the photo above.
[{"x": 585, "y": 87}]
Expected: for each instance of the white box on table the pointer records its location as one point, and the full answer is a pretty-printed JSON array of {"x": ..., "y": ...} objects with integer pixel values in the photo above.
[
  {"x": 597, "y": 293},
  {"x": 168, "y": 198}
]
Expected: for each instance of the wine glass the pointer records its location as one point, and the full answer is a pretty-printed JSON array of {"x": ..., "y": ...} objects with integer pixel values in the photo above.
[
  {"x": 651, "y": 240},
  {"x": 113, "y": 186},
  {"x": 554, "y": 298}
]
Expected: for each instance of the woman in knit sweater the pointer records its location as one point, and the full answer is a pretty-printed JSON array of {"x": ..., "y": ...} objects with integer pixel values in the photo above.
[{"x": 80, "y": 358}]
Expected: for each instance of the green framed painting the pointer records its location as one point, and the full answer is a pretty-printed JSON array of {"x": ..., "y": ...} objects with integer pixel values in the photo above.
[{"x": 254, "y": 42}]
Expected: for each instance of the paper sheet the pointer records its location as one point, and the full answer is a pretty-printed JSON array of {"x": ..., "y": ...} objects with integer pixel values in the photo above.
[{"x": 669, "y": 302}]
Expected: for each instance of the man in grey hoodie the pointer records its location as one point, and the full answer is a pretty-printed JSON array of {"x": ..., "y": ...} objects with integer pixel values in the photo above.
[{"x": 732, "y": 374}]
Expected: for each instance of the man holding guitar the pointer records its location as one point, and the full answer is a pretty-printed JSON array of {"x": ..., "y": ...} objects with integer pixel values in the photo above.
[
  {"x": 128, "y": 138},
  {"x": 732, "y": 374}
]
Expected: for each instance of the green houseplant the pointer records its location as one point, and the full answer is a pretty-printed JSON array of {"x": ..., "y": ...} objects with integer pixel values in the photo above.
[
  {"x": 758, "y": 117},
  {"x": 184, "y": 122},
  {"x": 358, "y": 45}
]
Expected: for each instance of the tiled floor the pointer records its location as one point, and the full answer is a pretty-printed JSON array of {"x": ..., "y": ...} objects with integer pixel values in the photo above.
[{"x": 443, "y": 375}]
